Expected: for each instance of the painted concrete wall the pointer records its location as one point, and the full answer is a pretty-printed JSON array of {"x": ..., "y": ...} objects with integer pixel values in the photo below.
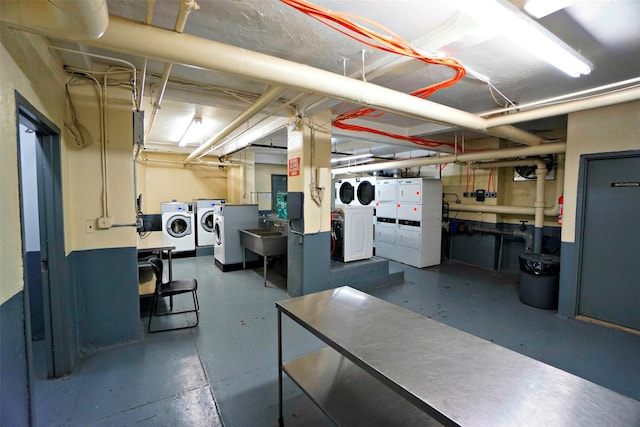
[
  {"x": 608, "y": 129},
  {"x": 162, "y": 182},
  {"x": 38, "y": 77},
  {"x": 241, "y": 181}
]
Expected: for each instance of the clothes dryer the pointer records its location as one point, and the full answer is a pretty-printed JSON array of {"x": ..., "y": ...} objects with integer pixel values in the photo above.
[
  {"x": 345, "y": 191},
  {"x": 178, "y": 225},
  {"x": 364, "y": 191},
  {"x": 204, "y": 221},
  {"x": 227, "y": 221}
]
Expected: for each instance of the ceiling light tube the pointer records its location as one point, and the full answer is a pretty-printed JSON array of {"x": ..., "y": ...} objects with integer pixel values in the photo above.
[
  {"x": 350, "y": 158},
  {"x": 528, "y": 34},
  {"x": 193, "y": 131}
]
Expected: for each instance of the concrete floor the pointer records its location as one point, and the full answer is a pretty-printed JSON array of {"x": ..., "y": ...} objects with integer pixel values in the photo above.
[{"x": 228, "y": 364}]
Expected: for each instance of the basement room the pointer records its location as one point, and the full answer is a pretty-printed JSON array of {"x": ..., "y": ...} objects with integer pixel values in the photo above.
[{"x": 314, "y": 213}]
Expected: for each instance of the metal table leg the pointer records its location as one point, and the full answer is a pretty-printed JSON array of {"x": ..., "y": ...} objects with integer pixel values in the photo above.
[
  {"x": 264, "y": 270},
  {"x": 280, "y": 417}
]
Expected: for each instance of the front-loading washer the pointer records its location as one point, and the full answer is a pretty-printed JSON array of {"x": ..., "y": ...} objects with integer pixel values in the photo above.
[
  {"x": 345, "y": 191},
  {"x": 227, "y": 221},
  {"x": 178, "y": 225},
  {"x": 204, "y": 220}
]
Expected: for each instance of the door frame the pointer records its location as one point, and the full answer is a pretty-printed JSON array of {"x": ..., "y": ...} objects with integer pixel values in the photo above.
[
  {"x": 58, "y": 296},
  {"x": 581, "y": 202}
]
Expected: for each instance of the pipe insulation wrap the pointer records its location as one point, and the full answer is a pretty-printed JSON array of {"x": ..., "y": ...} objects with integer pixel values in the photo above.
[{"x": 133, "y": 38}]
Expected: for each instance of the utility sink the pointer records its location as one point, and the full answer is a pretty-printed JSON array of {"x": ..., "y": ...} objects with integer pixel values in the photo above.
[{"x": 265, "y": 241}]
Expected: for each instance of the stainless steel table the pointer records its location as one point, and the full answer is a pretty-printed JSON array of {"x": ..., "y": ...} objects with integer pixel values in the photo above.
[{"x": 382, "y": 359}]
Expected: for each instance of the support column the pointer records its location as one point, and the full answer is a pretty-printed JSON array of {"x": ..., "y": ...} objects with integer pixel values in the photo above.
[{"x": 309, "y": 172}]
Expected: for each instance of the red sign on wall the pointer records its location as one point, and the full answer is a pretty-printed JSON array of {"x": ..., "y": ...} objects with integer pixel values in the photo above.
[{"x": 294, "y": 166}]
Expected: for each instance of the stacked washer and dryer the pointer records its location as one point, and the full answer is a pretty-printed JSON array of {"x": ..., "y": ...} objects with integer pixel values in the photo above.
[
  {"x": 227, "y": 221},
  {"x": 178, "y": 225},
  {"x": 353, "y": 219},
  {"x": 408, "y": 222},
  {"x": 205, "y": 233}
]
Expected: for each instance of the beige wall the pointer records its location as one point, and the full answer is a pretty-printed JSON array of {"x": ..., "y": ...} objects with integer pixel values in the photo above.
[
  {"x": 38, "y": 78},
  {"x": 609, "y": 129},
  {"x": 162, "y": 178},
  {"x": 26, "y": 65},
  {"x": 241, "y": 182}
]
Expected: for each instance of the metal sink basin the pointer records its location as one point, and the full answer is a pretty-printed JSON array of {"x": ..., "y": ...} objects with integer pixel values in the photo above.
[{"x": 264, "y": 241}]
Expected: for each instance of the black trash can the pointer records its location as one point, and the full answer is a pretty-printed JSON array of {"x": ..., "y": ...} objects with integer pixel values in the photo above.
[{"x": 539, "y": 280}]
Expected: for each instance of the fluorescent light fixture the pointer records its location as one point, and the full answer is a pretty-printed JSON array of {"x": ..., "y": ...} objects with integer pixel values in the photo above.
[
  {"x": 541, "y": 8},
  {"x": 350, "y": 158},
  {"x": 193, "y": 132},
  {"x": 500, "y": 15}
]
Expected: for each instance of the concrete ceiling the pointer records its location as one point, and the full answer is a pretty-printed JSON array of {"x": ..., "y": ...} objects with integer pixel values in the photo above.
[{"x": 605, "y": 32}]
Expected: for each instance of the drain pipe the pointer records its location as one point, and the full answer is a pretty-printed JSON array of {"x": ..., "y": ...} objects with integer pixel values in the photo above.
[
  {"x": 186, "y": 7},
  {"x": 541, "y": 173},
  {"x": 133, "y": 38}
]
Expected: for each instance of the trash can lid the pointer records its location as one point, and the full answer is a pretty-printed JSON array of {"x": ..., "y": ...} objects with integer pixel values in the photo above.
[{"x": 539, "y": 264}]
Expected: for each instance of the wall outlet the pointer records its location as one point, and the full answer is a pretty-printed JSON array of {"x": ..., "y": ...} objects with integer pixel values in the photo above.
[
  {"x": 104, "y": 222},
  {"x": 90, "y": 225}
]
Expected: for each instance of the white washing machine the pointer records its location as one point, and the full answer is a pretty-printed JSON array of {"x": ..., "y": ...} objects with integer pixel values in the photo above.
[
  {"x": 204, "y": 221},
  {"x": 345, "y": 191},
  {"x": 178, "y": 225},
  {"x": 364, "y": 191},
  {"x": 227, "y": 221},
  {"x": 352, "y": 231}
]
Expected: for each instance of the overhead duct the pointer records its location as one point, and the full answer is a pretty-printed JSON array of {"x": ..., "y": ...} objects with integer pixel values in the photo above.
[
  {"x": 68, "y": 19},
  {"x": 133, "y": 38}
]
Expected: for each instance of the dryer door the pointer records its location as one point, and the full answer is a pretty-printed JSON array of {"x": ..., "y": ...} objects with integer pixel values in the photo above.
[
  {"x": 346, "y": 193},
  {"x": 217, "y": 231},
  {"x": 179, "y": 226},
  {"x": 366, "y": 193},
  {"x": 207, "y": 221}
]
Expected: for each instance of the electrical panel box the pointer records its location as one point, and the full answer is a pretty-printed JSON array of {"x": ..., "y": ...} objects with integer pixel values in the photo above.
[
  {"x": 138, "y": 127},
  {"x": 295, "y": 205}
]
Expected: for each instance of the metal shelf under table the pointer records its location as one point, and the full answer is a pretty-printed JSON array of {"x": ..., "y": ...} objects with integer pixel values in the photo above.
[{"x": 452, "y": 376}]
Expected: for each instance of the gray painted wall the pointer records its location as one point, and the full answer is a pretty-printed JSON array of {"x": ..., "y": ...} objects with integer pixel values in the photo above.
[
  {"x": 108, "y": 302},
  {"x": 308, "y": 263},
  {"x": 14, "y": 401}
]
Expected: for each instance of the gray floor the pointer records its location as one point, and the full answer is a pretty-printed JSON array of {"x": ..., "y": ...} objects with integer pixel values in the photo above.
[{"x": 229, "y": 363}]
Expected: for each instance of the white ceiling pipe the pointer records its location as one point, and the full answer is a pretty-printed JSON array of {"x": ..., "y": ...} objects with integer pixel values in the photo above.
[
  {"x": 503, "y": 153},
  {"x": 267, "y": 98},
  {"x": 70, "y": 19},
  {"x": 186, "y": 7},
  {"x": 598, "y": 101},
  {"x": 149, "y": 15},
  {"x": 130, "y": 37}
]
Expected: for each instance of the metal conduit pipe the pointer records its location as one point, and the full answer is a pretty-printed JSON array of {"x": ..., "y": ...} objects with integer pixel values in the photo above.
[
  {"x": 201, "y": 164},
  {"x": 504, "y": 153},
  {"x": 131, "y": 37},
  {"x": 186, "y": 7},
  {"x": 541, "y": 173},
  {"x": 626, "y": 95},
  {"x": 267, "y": 98}
]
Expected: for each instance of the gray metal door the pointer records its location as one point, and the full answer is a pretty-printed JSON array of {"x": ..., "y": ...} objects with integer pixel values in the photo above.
[{"x": 610, "y": 255}]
